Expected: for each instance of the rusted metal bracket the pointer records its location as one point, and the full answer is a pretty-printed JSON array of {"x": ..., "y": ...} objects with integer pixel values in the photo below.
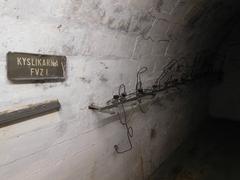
[
  {"x": 116, "y": 103},
  {"x": 150, "y": 92},
  {"x": 14, "y": 116}
]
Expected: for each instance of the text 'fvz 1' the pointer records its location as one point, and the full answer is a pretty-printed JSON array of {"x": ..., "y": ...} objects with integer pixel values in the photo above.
[{"x": 35, "y": 67}]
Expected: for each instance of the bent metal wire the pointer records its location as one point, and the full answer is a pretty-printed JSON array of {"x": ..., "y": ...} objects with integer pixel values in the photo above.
[{"x": 174, "y": 74}]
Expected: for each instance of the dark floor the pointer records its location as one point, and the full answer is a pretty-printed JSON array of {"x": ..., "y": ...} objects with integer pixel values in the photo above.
[{"x": 211, "y": 154}]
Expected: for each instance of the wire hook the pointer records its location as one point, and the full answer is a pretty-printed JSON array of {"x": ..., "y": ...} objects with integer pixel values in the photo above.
[
  {"x": 139, "y": 88},
  {"x": 123, "y": 121}
]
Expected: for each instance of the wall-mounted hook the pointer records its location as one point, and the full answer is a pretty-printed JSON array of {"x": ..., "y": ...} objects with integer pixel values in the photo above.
[
  {"x": 173, "y": 75},
  {"x": 139, "y": 88}
]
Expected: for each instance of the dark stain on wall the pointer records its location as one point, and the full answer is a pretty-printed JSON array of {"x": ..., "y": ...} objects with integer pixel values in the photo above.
[
  {"x": 160, "y": 103},
  {"x": 153, "y": 133},
  {"x": 142, "y": 166},
  {"x": 110, "y": 22},
  {"x": 103, "y": 78},
  {"x": 159, "y": 5},
  {"x": 85, "y": 80},
  {"x": 59, "y": 27},
  {"x": 105, "y": 66},
  {"x": 124, "y": 26},
  {"x": 196, "y": 13},
  {"x": 118, "y": 9},
  {"x": 141, "y": 23}
]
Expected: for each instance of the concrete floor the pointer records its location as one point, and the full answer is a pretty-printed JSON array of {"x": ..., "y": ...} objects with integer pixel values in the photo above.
[{"x": 213, "y": 153}]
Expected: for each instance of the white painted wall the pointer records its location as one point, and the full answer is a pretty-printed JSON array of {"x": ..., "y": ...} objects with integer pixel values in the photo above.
[{"x": 106, "y": 42}]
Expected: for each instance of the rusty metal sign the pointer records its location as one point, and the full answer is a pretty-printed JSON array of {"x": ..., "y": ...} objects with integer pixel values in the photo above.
[{"x": 35, "y": 67}]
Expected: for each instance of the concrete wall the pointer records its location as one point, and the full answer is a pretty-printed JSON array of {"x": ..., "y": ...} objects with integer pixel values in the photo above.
[
  {"x": 225, "y": 97},
  {"x": 106, "y": 42}
]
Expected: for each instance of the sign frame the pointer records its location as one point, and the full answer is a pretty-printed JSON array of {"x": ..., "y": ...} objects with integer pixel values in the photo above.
[{"x": 29, "y": 67}]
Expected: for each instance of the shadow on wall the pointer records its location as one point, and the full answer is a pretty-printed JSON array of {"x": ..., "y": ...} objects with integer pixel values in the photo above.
[{"x": 225, "y": 98}]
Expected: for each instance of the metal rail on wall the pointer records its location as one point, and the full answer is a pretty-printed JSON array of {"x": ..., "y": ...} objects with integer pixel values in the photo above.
[
  {"x": 16, "y": 115},
  {"x": 174, "y": 74}
]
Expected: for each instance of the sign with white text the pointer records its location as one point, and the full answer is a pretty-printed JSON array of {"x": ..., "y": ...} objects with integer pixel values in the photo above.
[{"x": 35, "y": 67}]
